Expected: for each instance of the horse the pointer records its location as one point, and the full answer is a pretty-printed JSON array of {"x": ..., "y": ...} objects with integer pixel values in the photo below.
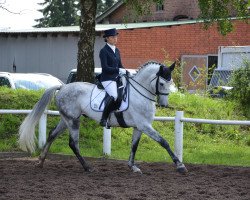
[{"x": 73, "y": 100}]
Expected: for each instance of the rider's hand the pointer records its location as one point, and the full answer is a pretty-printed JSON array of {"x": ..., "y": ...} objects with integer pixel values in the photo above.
[{"x": 122, "y": 71}]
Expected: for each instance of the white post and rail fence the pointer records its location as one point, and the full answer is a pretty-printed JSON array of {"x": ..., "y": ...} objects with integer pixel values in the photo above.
[{"x": 179, "y": 120}]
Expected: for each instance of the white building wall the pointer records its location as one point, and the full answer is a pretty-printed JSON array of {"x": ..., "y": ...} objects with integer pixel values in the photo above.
[
  {"x": 233, "y": 57},
  {"x": 50, "y": 54}
]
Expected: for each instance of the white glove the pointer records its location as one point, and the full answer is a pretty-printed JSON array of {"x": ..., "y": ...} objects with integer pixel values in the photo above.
[{"x": 122, "y": 71}]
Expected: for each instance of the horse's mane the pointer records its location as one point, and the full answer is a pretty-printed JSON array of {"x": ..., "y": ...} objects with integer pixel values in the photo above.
[{"x": 146, "y": 65}]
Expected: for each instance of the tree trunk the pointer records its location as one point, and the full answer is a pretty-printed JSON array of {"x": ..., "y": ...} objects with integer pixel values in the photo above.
[{"x": 85, "y": 57}]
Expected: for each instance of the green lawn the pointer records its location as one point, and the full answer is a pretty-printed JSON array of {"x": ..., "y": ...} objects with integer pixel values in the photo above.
[{"x": 203, "y": 143}]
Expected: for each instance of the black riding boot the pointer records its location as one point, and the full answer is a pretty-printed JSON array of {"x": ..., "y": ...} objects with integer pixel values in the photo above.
[{"x": 107, "y": 110}]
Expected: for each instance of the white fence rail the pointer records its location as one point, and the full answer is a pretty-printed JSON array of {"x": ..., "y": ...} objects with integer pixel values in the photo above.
[{"x": 179, "y": 120}]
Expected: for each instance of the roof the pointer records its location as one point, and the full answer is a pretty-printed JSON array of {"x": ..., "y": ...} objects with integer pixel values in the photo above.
[
  {"x": 99, "y": 27},
  {"x": 109, "y": 11},
  {"x": 43, "y": 30},
  {"x": 102, "y": 27}
]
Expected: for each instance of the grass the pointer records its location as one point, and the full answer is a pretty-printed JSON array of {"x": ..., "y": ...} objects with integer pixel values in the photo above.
[{"x": 203, "y": 143}]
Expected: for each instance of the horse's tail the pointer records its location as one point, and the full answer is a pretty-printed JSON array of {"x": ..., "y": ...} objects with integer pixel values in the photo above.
[{"x": 27, "y": 135}]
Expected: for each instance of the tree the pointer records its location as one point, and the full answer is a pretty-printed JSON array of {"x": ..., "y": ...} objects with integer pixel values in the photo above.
[
  {"x": 100, "y": 7},
  {"x": 219, "y": 11},
  {"x": 2, "y": 6},
  {"x": 240, "y": 81},
  {"x": 109, "y": 3},
  {"x": 64, "y": 13},
  {"x": 104, "y": 5},
  {"x": 211, "y": 11},
  {"x": 85, "y": 56},
  {"x": 58, "y": 13}
]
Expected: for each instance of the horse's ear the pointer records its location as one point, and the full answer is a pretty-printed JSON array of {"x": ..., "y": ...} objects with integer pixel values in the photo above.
[{"x": 172, "y": 66}]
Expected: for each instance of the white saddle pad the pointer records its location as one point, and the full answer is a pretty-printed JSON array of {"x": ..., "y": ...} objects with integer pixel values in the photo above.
[{"x": 97, "y": 97}]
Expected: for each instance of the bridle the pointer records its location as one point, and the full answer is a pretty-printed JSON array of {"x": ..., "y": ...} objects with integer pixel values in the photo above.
[
  {"x": 157, "y": 92},
  {"x": 157, "y": 85}
]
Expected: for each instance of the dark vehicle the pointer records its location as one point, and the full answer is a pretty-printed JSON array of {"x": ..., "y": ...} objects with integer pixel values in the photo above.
[{"x": 72, "y": 75}]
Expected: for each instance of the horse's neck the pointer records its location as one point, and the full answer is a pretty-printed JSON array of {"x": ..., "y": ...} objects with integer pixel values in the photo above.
[
  {"x": 146, "y": 75},
  {"x": 142, "y": 98}
]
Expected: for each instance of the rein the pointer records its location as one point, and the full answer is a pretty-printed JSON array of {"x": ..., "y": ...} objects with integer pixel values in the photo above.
[
  {"x": 127, "y": 78},
  {"x": 157, "y": 89}
]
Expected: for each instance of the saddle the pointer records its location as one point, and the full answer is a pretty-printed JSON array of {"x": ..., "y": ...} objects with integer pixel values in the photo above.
[{"x": 99, "y": 96}]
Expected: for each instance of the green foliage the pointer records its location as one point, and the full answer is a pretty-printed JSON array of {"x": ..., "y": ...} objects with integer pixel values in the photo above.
[
  {"x": 138, "y": 8},
  {"x": 65, "y": 13},
  {"x": 219, "y": 11},
  {"x": 212, "y": 11},
  {"x": 196, "y": 106},
  {"x": 218, "y": 92},
  {"x": 240, "y": 82},
  {"x": 176, "y": 74},
  {"x": 104, "y": 5},
  {"x": 59, "y": 13},
  {"x": 15, "y": 99},
  {"x": 203, "y": 143}
]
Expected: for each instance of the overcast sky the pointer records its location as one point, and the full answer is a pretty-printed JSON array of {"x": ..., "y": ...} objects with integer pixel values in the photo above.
[{"x": 28, "y": 13}]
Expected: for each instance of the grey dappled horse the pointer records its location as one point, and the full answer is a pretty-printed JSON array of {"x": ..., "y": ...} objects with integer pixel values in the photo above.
[{"x": 73, "y": 100}]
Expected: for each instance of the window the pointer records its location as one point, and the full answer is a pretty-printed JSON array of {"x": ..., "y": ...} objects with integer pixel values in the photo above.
[{"x": 159, "y": 7}]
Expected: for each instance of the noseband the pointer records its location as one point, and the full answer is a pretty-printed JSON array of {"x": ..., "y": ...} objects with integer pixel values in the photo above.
[{"x": 157, "y": 86}]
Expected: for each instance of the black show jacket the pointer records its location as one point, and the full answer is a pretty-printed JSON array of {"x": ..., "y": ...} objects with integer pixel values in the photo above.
[{"x": 110, "y": 62}]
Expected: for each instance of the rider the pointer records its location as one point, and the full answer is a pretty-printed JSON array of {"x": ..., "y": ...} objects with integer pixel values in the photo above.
[{"x": 111, "y": 68}]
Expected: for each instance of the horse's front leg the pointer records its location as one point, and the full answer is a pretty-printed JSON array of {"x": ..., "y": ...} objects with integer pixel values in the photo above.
[
  {"x": 149, "y": 130},
  {"x": 135, "y": 141}
]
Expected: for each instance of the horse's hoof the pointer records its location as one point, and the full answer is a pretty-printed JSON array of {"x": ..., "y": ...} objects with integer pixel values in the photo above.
[
  {"x": 89, "y": 169},
  {"x": 135, "y": 169},
  {"x": 39, "y": 164},
  {"x": 181, "y": 168}
]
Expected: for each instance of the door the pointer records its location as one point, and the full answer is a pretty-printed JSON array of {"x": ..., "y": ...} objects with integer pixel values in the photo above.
[{"x": 194, "y": 72}]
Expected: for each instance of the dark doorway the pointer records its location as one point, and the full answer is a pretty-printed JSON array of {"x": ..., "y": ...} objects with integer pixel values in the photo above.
[{"x": 212, "y": 64}]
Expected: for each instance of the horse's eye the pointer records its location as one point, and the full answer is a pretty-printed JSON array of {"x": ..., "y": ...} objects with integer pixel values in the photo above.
[{"x": 161, "y": 84}]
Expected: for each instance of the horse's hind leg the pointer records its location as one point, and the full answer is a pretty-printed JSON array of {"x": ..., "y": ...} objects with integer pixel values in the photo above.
[
  {"x": 135, "y": 141},
  {"x": 74, "y": 142},
  {"x": 54, "y": 133}
]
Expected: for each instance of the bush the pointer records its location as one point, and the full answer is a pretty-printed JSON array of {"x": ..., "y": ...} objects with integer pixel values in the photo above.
[{"x": 240, "y": 81}]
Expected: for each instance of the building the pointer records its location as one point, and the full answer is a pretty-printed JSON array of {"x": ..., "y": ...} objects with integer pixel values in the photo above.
[
  {"x": 43, "y": 50},
  {"x": 167, "y": 11}
]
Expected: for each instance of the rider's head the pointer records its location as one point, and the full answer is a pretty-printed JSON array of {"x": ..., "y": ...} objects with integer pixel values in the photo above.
[{"x": 110, "y": 36}]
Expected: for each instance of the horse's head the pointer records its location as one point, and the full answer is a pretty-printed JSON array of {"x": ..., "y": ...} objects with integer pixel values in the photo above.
[
  {"x": 156, "y": 79},
  {"x": 163, "y": 83}
]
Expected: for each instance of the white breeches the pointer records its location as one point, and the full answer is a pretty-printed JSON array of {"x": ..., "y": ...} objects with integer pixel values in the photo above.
[{"x": 111, "y": 88}]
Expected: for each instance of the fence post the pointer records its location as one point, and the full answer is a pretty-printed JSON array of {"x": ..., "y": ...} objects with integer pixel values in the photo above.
[
  {"x": 106, "y": 141},
  {"x": 178, "y": 142},
  {"x": 42, "y": 131}
]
